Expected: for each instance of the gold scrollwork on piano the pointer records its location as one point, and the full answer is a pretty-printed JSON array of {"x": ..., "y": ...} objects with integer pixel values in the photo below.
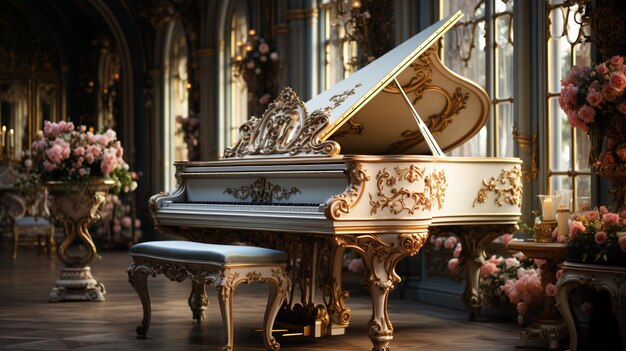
[
  {"x": 507, "y": 187},
  {"x": 397, "y": 200},
  {"x": 340, "y": 98},
  {"x": 262, "y": 191},
  {"x": 420, "y": 83},
  {"x": 285, "y": 128},
  {"x": 343, "y": 203}
]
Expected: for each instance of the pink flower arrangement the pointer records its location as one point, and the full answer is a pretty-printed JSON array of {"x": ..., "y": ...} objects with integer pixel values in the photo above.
[
  {"x": 513, "y": 279},
  {"x": 598, "y": 232},
  {"x": 63, "y": 152},
  {"x": 593, "y": 100}
]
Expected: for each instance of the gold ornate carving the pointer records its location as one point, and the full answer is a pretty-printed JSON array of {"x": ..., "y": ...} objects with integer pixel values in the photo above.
[
  {"x": 400, "y": 199},
  {"x": 419, "y": 84},
  {"x": 355, "y": 128},
  {"x": 262, "y": 191},
  {"x": 507, "y": 187},
  {"x": 344, "y": 203},
  {"x": 340, "y": 98},
  {"x": 285, "y": 128}
]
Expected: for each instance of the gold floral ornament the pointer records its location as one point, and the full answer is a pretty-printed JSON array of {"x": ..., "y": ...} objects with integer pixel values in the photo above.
[
  {"x": 507, "y": 187},
  {"x": 262, "y": 191},
  {"x": 397, "y": 200},
  {"x": 285, "y": 128}
]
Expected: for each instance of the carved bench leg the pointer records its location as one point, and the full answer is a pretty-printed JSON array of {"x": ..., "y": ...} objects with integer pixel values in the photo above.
[
  {"x": 198, "y": 300},
  {"x": 225, "y": 294},
  {"x": 138, "y": 278},
  {"x": 563, "y": 289},
  {"x": 278, "y": 290}
]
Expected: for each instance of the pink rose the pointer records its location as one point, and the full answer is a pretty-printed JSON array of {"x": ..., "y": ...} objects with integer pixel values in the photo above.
[
  {"x": 356, "y": 265},
  {"x": 600, "y": 237},
  {"x": 622, "y": 108},
  {"x": 594, "y": 98},
  {"x": 561, "y": 239},
  {"x": 617, "y": 80},
  {"x": 457, "y": 250},
  {"x": 559, "y": 273},
  {"x": 587, "y": 114},
  {"x": 539, "y": 262},
  {"x": 506, "y": 238},
  {"x": 452, "y": 264},
  {"x": 438, "y": 242},
  {"x": 575, "y": 228},
  {"x": 602, "y": 69},
  {"x": 450, "y": 242},
  {"x": 603, "y": 209},
  {"x": 126, "y": 221},
  {"x": 550, "y": 289},
  {"x": 610, "y": 218},
  {"x": 609, "y": 93},
  {"x": 617, "y": 61},
  {"x": 488, "y": 268},
  {"x": 622, "y": 243}
]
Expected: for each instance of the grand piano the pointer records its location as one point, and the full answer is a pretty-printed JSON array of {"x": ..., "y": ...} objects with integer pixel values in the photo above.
[{"x": 359, "y": 166}]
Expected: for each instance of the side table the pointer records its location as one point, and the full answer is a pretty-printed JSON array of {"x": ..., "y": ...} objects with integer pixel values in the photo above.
[
  {"x": 611, "y": 279},
  {"x": 549, "y": 324}
]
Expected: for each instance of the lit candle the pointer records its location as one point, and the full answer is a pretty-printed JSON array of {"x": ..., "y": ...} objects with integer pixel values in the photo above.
[
  {"x": 4, "y": 129},
  {"x": 11, "y": 139},
  {"x": 547, "y": 209}
]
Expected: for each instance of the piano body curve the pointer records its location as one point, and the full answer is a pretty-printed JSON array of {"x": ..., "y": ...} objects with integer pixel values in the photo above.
[{"x": 351, "y": 168}]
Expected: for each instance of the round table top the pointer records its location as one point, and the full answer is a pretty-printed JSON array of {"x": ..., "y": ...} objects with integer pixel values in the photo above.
[{"x": 532, "y": 249}]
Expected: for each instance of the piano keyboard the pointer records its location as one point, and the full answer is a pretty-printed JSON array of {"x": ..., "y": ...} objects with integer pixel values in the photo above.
[{"x": 247, "y": 206}]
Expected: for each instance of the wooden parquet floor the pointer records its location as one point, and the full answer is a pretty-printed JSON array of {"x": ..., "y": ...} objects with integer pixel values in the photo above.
[{"x": 29, "y": 322}]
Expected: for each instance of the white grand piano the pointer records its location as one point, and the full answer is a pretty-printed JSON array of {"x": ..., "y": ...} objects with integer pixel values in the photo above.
[{"x": 359, "y": 166}]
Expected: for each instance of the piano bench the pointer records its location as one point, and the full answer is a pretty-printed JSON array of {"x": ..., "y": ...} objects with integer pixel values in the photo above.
[{"x": 224, "y": 266}]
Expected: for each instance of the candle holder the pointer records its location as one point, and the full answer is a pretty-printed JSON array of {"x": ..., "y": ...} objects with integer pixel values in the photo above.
[
  {"x": 544, "y": 229},
  {"x": 583, "y": 203}
]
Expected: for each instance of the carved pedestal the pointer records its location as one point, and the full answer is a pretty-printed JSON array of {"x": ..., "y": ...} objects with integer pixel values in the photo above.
[
  {"x": 611, "y": 279},
  {"x": 76, "y": 207},
  {"x": 474, "y": 239},
  {"x": 549, "y": 325}
]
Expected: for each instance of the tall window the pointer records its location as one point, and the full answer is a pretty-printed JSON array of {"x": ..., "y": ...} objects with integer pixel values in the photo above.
[
  {"x": 480, "y": 48},
  {"x": 176, "y": 100},
  {"x": 339, "y": 53},
  {"x": 237, "y": 87},
  {"x": 567, "y": 158}
]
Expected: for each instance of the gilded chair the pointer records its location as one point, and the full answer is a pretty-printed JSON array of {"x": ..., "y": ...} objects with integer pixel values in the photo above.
[{"x": 31, "y": 218}]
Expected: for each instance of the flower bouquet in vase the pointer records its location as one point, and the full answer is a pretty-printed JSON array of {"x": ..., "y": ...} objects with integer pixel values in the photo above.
[
  {"x": 598, "y": 236},
  {"x": 593, "y": 99},
  {"x": 79, "y": 168}
]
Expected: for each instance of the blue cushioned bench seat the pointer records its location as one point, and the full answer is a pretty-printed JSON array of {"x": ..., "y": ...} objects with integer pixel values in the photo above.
[{"x": 234, "y": 254}]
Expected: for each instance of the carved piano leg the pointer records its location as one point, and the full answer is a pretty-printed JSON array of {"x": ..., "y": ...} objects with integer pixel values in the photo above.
[
  {"x": 334, "y": 295},
  {"x": 381, "y": 253},
  {"x": 473, "y": 240},
  {"x": 198, "y": 300}
]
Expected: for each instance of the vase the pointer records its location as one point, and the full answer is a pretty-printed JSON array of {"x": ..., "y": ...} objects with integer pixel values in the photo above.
[
  {"x": 76, "y": 207},
  {"x": 614, "y": 256}
]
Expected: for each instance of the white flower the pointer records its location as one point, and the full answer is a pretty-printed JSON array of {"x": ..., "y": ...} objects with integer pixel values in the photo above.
[{"x": 133, "y": 186}]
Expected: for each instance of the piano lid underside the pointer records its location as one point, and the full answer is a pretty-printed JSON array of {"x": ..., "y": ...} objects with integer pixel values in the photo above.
[{"x": 453, "y": 108}]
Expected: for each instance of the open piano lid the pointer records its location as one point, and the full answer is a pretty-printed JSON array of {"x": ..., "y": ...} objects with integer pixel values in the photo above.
[{"x": 368, "y": 115}]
